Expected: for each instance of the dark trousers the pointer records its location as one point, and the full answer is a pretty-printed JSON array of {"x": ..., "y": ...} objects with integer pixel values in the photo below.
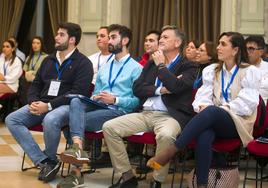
[{"x": 213, "y": 122}]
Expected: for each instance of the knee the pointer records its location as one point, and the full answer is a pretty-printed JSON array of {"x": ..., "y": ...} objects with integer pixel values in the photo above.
[
  {"x": 10, "y": 120},
  {"x": 50, "y": 122},
  {"x": 75, "y": 103},
  {"x": 108, "y": 127},
  {"x": 166, "y": 136}
]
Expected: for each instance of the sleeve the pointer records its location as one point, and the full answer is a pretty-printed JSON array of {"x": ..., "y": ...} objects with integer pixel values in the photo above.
[
  {"x": 205, "y": 92},
  {"x": 248, "y": 97},
  {"x": 14, "y": 72},
  {"x": 141, "y": 87},
  {"x": 130, "y": 102}
]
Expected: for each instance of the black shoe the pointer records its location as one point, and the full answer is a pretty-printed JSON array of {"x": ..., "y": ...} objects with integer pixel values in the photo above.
[
  {"x": 155, "y": 184},
  {"x": 103, "y": 161},
  {"x": 49, "y": 171},
  {"x": 131, "y": 183}
]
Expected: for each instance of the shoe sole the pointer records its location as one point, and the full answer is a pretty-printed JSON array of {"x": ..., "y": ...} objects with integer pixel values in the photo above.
[
  {"x": 72, "y": 160},
  {"x": 77, "y": 186},
  {"x": 52, "y": 174}
]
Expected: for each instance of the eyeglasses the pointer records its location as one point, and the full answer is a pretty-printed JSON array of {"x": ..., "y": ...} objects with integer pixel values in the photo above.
[{"x": 252, "y": 49}]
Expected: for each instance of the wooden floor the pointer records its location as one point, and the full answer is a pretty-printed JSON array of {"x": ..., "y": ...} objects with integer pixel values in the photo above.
[{"x": 11, "y": 175}]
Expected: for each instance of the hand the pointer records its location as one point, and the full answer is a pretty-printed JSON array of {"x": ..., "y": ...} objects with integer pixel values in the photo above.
[
  {"x": 105, "y": 97},
  {"x": 158, "y": 57},
  {"x": 164, "y": 90},
  {"x": 202, "y": 107},
  {"x": 29, "y": 76},
  {"x": 38, "y": 108},
  {"x": 2, "y": 78}
]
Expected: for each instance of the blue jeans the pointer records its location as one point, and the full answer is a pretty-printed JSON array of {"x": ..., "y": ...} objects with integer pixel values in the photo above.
[
  {"x": 213, "y": 122},
  {"x": 19, "y": 121},
  {"x": 84, "y": 116}
]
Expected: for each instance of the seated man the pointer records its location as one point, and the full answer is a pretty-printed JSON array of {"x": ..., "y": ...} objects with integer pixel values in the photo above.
[
  {"x": 65, "y": 72},
  {"x": 255, "y": 47},
  {"x": 113, "y": 87},
  {"x": 165, "y": 91},
  {"x": 150, "y": 46}
]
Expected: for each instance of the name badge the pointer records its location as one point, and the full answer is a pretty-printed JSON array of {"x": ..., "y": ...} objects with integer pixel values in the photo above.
[{"x": 54, "y": 88}]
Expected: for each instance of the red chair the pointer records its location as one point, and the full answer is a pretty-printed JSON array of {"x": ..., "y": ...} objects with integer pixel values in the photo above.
[{"x": 260, "y": 152}]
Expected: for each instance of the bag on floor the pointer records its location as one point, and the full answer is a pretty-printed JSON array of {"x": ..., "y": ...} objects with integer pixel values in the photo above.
[{"x": 218, "y": 178}]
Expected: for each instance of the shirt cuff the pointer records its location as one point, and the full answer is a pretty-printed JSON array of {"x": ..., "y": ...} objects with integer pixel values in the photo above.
[
  {"x": 116, "y": 100},
  {"x": 49, "y": 107},
  {"x": 157, "y": 91}
]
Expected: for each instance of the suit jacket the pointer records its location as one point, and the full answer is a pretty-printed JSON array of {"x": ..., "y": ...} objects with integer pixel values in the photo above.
[{"x": 179, "y": 102}]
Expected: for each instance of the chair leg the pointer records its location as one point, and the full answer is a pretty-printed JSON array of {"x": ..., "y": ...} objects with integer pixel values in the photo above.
[
  {"x": 22, "y": 164},
  {"x": 261, "y": 175},
  {"x": 257, "y": 175},
  {"x": 182, "y": 169},
  {"x": 246, "y": 172}
]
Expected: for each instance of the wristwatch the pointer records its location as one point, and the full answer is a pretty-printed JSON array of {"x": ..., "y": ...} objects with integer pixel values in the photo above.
[{"x": 49, "y": 107}]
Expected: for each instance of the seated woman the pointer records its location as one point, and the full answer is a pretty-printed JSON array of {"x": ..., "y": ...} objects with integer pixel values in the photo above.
[
  {"x": 10, "y": 69},
  {"x": 205, "y": 55},
  {"x": 226, "y": 104},
  {"x": 35, "y": 58}
]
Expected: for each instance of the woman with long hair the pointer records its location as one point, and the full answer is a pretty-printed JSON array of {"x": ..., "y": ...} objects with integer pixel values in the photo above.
[
  {"x": 226, "y": 106},
  {"x": 35, "y": 58},
  {"x": 10, "y": 69}
]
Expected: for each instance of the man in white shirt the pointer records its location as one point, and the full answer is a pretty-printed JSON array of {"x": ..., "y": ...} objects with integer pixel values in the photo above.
[
  {"x": 103, "y": 56},
  {"x": 255, "y": 47}
]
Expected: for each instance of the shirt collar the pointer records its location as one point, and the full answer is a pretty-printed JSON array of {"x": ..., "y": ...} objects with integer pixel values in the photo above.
[
  {"x": 231, "y": 71},
  {"x": 123, "y": 58},
  {"x": 66, "y": 57}
]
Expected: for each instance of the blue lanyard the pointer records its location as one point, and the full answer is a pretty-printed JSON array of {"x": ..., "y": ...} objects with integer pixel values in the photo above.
[
  {"x": 198, "y": 79},
  {"x": 225, "y": 91},
  {"x": 59, "y": 71},
  {"x": 5, "y": 68},
  {"x": 106, "y": 61},
  {"x": 170, "y": 66},
  {"x": 33, "y": 64},
  {"x": 111, "y": 84}
]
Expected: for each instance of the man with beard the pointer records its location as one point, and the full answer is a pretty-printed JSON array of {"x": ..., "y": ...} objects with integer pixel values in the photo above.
[
  {"x": 114, "y": 88},
  {"x": 165, "y": 92},
  {"x": 67, "y": 71}
]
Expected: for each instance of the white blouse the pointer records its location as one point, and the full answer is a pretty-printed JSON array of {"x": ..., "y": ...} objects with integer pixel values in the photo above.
[
  {"x": 13, "y": 72},
  {"x": 247, "y": 99}
]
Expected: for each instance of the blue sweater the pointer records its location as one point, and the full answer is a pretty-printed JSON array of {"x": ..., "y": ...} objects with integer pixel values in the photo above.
[{"x": 122, "y": 88}]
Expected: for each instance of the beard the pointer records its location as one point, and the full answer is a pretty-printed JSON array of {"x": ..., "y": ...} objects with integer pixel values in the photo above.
[
  {"x": 62, "y": 46},
  {"x": 116, "y": 48}
]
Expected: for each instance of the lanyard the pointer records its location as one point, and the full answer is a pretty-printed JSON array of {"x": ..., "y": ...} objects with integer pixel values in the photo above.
[
  {"x": 198, "y": 79},
  {"x": 60, "y": 70},
  {"x": 111, "y": 83},
  {"x": 225, "y": 91},
  {"x": 33, "y": 64},
  {"x": 106, "y": 61},
  {"x": 170, "y": 66},
  {"x": 5, "y": 67}
]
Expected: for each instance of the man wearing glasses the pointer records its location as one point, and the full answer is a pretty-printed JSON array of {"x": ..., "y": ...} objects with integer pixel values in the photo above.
[{"x": 255, "y": 47}]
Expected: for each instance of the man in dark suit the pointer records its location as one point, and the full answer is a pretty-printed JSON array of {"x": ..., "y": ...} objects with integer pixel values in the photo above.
[{"x": 165, "y": 92}]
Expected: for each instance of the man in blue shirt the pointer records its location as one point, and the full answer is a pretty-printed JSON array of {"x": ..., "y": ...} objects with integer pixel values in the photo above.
[{"x": 113, "y": 87}]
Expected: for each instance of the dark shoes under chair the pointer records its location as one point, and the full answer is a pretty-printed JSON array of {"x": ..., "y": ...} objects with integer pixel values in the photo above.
[{"x": 48, "y": 171}]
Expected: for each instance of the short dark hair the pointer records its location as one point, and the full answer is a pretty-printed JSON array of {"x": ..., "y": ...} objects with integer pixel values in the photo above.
[
  {"x": 178, "y": 33},
  {"x": 123, "y": 31},
  {"x": 73, "y": 30},
  {"x": 156, "y": 32},
  {"x": 257, "y": 39}
]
